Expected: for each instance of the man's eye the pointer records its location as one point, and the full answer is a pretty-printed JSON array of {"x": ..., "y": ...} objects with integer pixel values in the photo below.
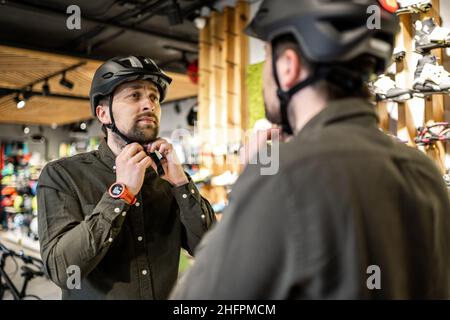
[{"x": 135, "y": 95}]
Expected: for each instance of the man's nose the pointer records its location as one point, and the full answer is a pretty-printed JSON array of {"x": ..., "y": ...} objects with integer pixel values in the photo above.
[{"x": 148, "y": 104}]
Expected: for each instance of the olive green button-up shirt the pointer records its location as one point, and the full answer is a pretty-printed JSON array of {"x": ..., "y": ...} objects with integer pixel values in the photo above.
[{"x": 117, "y": 251}]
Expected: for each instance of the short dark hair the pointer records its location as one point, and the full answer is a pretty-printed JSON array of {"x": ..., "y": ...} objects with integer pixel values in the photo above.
[{"x": 363, "y": 65}]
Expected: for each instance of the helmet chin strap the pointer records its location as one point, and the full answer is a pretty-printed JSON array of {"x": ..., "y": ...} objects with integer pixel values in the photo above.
[
  {"x": 113, "y": 126},
  {"x": 340, "y": 76},
  {"x": 285, "y": 96}
]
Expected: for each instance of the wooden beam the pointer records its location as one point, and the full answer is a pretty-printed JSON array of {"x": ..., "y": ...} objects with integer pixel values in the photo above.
[
  {"x": 242, "y": 54},
  {"x": 434, "y": 105},
  {"x": 406, "y": 128}
]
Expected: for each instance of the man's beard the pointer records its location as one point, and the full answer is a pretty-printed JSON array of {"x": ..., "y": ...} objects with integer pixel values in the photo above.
[{"x": 144, "y": 133}]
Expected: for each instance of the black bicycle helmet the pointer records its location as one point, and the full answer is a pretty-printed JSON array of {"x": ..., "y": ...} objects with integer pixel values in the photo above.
[
  {"x": 328, "y": 32},
  {"x": 119, "y": 70}
]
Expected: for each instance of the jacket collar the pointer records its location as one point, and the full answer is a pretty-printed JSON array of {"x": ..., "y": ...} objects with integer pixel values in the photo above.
[{"x": 351, "y": 110}]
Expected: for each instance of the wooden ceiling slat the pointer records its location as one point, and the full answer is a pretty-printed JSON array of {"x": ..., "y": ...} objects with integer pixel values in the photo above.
[{"x": 19, "y": 67}]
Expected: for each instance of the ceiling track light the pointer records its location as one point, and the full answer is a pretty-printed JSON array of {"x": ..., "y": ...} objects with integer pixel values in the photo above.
[
  {"x": 26, "y": 92},
  {"x": 20, "y": 103},
  {"x": 174, "y": 13},
  {"x": 45, "y": 88},
  {"x": 66, "y": 83}
]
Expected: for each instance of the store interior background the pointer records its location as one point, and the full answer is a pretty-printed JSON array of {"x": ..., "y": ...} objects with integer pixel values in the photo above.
[
  {"x": 227, "y": 96},
  {"x": 58, "y": 123},
  {"x": 174, "y": 117}
]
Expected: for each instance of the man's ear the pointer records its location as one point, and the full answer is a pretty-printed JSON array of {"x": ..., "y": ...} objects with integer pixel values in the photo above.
[
  {"x": 289, "y": 67},
  {"x": 102, "y": 113}
]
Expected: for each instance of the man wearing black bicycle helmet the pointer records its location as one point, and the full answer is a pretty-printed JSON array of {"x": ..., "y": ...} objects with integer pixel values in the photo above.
[
  {"x": 121, "y": 70},
  {"x": 351, "y": 213},
  {"x": 112, "y": 221}
]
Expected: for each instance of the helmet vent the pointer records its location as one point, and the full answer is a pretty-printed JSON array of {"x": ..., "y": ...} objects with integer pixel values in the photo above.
[
  {"x": 342, "y": 25},
  {"x": 107, "y": 75}
]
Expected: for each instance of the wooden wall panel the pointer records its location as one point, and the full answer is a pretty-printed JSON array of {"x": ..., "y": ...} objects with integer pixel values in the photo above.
[
  {"x": 222, "y": 65},
  {"x": 434, "y": 105}
]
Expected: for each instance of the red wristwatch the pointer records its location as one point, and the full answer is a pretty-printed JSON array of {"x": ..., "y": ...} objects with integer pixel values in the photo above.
[{"x": 119, "y": 191}]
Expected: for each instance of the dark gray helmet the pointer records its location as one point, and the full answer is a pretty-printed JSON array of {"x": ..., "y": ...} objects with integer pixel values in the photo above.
[
  {"x": 118, "y": 70},
  {"x": 328, "y": 31}
]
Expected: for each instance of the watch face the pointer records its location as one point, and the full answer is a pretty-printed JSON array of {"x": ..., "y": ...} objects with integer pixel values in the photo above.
[{"x": 117, "y": 190}]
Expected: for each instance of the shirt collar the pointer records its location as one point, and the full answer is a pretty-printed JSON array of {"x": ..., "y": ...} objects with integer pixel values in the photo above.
[
  {"x": 350, "y": 110},
  {"x": 109, "y": 158},
  {"x": 106, "y": 154}
]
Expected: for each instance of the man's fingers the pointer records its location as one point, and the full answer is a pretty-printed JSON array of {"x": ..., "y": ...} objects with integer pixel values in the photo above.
[
  {"x": 131, "y": 149},
  {"x": 263, "y": 135},
  {"x": 165, "y": 148},
  {"x": 138, "y": 156},
  {"x": 274, "y": 133},
  {"x": 156, "y": 144},
  {"x": 145, "y": 162}
]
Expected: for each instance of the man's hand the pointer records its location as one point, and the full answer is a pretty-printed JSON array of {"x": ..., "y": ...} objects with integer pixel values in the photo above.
[
  {"x": 174, "y": 172},
  {"x": 131, "y": 164}
]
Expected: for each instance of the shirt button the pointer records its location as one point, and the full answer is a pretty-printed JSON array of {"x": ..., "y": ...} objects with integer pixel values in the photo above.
[
  {"x": 184, "y": 196},
  {"x": 137, "y": 204},
  {"x": 110, "y": 239},
  {"x": 144, "y": 272},
  {"x": 117, "y": 210},
  {"x": 203, "y": 216},
  {"x": 192, "y": 191},
  {"x": 124, "y": 214},
  {"x": 139, "y": 238},
  {"x": 114, "y": 167}
]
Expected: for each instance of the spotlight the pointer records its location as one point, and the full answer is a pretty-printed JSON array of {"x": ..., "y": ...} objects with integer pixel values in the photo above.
[
  {"x": 26, "y": 130},
  {"x": 200, "y": 22},
  {"x": 20, "y": 103},
  {"x": 83, "y": 126},
  {"x": 205, "y": 11},
  {"x": 45, "y": 88},
  {"x": 66, "y": 83},
  {"x": 192, "y": 115}
]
